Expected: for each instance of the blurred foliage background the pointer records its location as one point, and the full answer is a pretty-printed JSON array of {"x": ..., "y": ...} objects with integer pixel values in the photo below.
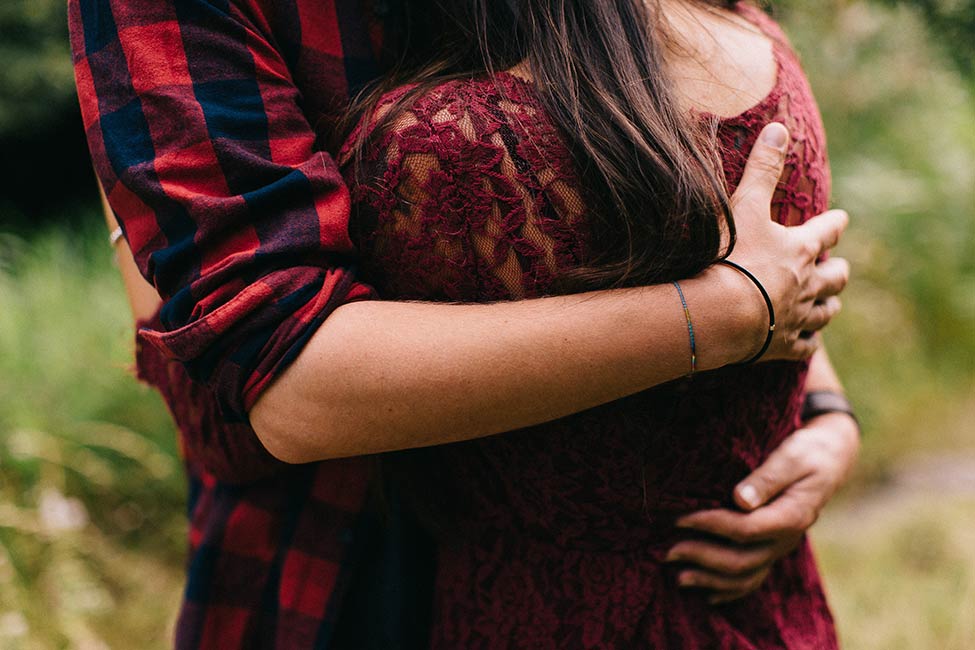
[{"x": 91, "y": 490}]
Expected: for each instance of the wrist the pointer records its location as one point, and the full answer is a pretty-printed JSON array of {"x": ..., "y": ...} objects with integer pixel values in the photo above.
[
  {"x": 826, "y": 402},
  {"x": 840, "y": 432},
  {"x": 732, "y": 321},
  {"x": 839, "y": 421}
]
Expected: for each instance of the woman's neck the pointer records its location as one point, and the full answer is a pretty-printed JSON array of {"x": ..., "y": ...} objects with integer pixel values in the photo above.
[{"x": 720, "y": 63}]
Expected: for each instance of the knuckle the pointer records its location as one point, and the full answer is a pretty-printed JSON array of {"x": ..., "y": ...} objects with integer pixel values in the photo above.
[
  {"x": 737, "y": 535},
  {"x": 734, "y": 585},
  {"x": 818, "y": 457},
  {"x": 792, "y": 452},
  {"x": 843, "y": 281},
  {"x": 807, "y": 519},
  {"x": 836, "y": 307},
  {"x": 844, "y": 272},
  {"x": 811, "y": 247},
  {"x": 756, "y": 581},
  {"x": 808, "y": 461},
  {"x": 698, "y": 579},
  {"x": 809, "y": 347},
  {"x": 739, "y": 564},
  {"x": 834, "y": 236},
  {"x": 766, "y": 480},
  {"x": 797, "y": 352},
  {"x": 842, "y": 218},
  {"x": 821, "y": 316},
  {"x": 836, "y": 280},
  {"x": 801, "y": 521},
  {"x": 748, "y": 533},
  {"x": 768, "y": 164}
]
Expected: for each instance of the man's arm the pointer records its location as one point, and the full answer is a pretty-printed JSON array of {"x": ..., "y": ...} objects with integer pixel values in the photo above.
[
  {"x": 143, "y": 299},
  {"x": 231, "y": 212},
  {"x": 230, "y": 451}
]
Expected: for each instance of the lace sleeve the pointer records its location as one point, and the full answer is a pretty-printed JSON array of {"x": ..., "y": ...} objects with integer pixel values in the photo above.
[{"x": 466, "y": 195}]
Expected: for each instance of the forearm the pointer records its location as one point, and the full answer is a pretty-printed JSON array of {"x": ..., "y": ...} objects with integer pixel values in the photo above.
[
  {"x": 143, "y": 299},
  {"x": 822, "y": 375},
  {"x": 236, "y": 218},
  {"x": 842, "y": 444},
  {"x": 380, "y": 376}
]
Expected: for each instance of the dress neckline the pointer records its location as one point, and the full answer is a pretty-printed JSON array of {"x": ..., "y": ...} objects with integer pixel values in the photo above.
[
  {"x": 761, "y": 107},
  {"x": 771, "y": 98}
]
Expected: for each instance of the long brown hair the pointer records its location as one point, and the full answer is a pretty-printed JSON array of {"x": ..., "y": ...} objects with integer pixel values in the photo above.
[
  {"x": 659, "y": 199},
  {"x": 659, "y": 196}
]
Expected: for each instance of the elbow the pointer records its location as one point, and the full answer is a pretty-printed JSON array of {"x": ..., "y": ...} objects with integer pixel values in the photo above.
[
  {"x": 284, "y": 437},
  {"x": 297, "y": 427},
  {"x": 298, "y": 418}
]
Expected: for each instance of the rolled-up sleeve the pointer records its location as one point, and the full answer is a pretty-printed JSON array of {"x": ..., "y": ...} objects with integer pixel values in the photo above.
[{"x": 239, "y": 221}]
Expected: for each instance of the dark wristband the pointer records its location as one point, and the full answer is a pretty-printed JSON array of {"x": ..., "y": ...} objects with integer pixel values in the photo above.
[{"x": 821, "y": 402}]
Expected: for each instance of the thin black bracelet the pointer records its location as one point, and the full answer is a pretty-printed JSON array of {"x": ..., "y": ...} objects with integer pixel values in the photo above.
[
  {"x": 821, "y": 402},
  {"x": 768, "y": 304}
]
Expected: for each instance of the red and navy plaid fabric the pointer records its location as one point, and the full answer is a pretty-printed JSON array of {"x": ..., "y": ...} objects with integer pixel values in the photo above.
[
  {"x": 203, "y": 118},
  {"x": 272, "y": 547}
]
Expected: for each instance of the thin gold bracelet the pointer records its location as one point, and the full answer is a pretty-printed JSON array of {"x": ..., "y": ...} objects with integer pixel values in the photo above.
[{"x": 690, "y": 328}]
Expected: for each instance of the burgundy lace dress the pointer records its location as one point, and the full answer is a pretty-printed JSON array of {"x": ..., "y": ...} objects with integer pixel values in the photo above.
[{"x": 558, "y": 531}]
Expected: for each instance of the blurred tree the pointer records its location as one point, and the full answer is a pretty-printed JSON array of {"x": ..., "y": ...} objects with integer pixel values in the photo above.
[
  {"x": 41, "y": 135},
  {"x": 40, "y": 125},
  {"x": 952, "y": 22},
  {"x": 36, "y": 82},
  {"x": 36, "y": 85}
]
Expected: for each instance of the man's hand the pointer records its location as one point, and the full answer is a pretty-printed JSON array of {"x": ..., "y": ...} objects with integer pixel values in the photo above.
[
  {"x": 781, "y": 500},
  {"x": 804, "y": 293}
]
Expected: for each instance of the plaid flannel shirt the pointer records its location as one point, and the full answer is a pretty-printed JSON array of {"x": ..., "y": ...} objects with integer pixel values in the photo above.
[{"x": 203, "y": 118}]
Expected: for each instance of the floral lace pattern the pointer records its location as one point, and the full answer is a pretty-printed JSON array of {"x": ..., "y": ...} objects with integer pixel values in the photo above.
[{"x": 558, "y": 530}]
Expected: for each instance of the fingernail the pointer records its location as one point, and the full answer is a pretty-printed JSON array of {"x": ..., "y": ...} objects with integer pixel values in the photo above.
[
  {"x": 672, "y": 556},
  {"x": 685, "y": 580},
  {"x": 749, "y": 495},
  {"x": 775, "y": 135}
]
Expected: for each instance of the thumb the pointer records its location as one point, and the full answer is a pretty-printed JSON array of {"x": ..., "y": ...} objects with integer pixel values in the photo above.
[
  {"x": 778, "y": 472},
  {"x": 763, "y": 169}
]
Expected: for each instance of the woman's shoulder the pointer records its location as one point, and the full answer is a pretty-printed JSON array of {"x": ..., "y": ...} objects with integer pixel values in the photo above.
[
  {"x": 764, "y": 21},
  {"x": 451, "y": 117}
]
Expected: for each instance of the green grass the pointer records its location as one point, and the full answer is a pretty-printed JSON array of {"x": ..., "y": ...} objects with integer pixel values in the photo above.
[
  {"x": 901, "y": 126},
  {"x": 900, "y": 571},
  {"x": 91, "y": 491}
]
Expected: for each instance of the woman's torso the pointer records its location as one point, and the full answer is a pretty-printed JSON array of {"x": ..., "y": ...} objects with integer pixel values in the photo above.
[{"x": 489, "y": 207}]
